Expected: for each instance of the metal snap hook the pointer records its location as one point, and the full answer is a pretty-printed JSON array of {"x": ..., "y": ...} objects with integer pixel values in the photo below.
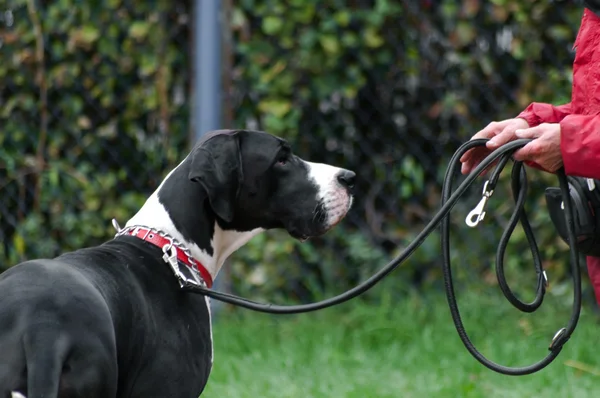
[
  {"x": 476, "y": 215},
  {"x": 168, "y": 246},
  {"x": 170, "y": 258}
]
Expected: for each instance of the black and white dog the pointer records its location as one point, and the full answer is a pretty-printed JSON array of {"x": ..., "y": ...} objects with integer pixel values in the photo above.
[{"x": 112, "y": 321}]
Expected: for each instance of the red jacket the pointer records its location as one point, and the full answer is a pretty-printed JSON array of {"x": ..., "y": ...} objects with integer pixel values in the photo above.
[{"x": 580, "y": 119}]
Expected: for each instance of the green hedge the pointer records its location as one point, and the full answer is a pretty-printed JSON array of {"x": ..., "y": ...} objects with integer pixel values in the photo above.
[
  {"x": 95, "y": 107},
  {"x": 386, "y": 88}
]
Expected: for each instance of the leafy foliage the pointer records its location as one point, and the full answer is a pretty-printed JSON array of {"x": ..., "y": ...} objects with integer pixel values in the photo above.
[{"x": 95, "y": 108}]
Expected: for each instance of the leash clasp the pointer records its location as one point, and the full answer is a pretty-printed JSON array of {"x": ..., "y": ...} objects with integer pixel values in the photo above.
[
  {"x": 170, "y": 258},
  {"x": 477, "y": 214}
]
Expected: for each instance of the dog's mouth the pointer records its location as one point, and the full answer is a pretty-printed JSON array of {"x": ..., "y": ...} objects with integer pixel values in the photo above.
[
  {"x": 334, "y": 207},
  {"x": 301, "y": 237},
  {"x": 338, "y": 209},
  {"x": 326, "y": 215}
]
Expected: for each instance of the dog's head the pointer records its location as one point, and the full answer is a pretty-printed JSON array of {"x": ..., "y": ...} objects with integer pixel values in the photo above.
[{"x": 253, "y": 180}]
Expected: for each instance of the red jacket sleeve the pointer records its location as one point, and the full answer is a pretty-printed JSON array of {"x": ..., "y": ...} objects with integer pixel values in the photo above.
[
  {"x": 537, "y": 113},
  {"x": 580, "y": 145}
]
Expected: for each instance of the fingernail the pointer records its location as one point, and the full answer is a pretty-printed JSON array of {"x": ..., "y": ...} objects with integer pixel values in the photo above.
[
  {"x": 518, "y": 132},
  {"x": 492, "y": 143}
]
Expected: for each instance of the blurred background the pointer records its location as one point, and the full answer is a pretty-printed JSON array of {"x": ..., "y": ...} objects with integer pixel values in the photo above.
[{"x": 99, "y": 100}]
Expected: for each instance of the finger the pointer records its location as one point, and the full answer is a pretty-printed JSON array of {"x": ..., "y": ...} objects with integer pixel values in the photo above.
[
  {"x": 533, "y": 132},
  {"x": 468, "y": 156},
  {"x": 473, "y": 160},
  {"x": 528, "y": 152},
  {"x": 470, "y": 165},
  {"x": 489, "y": 131},
  {"x": 506, "y": 135},
  {"x": 465, "y": 168},
  {"x": 473, "y": 153}
]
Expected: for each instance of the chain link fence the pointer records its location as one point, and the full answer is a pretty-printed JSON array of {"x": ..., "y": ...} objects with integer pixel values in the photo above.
[{"x": 95, "y": 109}]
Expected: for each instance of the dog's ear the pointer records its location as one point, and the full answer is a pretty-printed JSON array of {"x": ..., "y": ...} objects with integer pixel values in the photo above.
[{"x": 217, "y": 165}]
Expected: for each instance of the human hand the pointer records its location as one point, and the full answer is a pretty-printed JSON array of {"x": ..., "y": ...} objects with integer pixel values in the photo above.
[
  {"x": 499, "y": 134},
  {"x": 544, "y": 150}
]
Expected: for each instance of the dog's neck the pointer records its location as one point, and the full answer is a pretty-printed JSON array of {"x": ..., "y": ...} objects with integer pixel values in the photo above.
[{"x": 179, "y": 208}]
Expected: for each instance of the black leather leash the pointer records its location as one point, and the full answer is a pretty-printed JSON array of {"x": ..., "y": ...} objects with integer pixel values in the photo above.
[
  {"x": 449, "y": 199},
  {"x": 519, "y": 187}
]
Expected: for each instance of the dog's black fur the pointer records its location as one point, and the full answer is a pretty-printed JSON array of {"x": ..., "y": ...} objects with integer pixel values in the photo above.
[{"x": 111, "y": 321}]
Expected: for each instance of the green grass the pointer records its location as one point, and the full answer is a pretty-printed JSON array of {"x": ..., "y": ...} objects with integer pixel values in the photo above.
[{"x": 406, "y": 349}]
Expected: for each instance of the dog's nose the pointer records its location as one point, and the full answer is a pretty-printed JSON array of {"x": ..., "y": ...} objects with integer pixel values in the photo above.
[{"x": 346, "y": 178}]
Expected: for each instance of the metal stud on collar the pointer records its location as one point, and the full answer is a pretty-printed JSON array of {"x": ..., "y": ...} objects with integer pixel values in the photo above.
[
  {"x": 116, "y": 225},
  {"x": 172, "y": 240}
]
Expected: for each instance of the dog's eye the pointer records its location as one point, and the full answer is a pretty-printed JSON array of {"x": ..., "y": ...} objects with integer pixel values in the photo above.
[{"x": 282, "y": 161}]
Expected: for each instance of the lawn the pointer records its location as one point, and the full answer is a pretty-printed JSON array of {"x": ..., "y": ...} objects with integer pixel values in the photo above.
[{"x": 401, "y": 349}]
